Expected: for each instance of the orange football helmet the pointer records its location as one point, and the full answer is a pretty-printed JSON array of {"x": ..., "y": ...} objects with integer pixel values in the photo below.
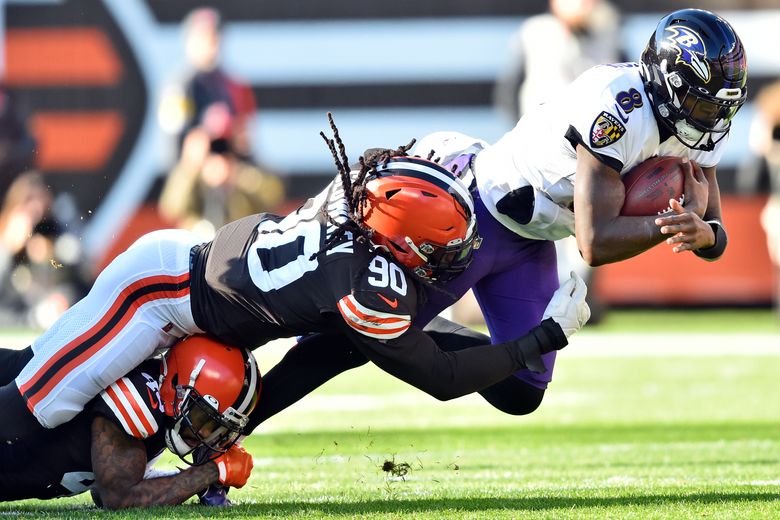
[
  {"x": 423, "y": 215},
  {"x": 208, "y": 389}
]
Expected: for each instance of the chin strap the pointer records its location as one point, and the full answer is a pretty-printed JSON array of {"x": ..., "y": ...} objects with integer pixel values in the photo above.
[
  {"x": 414, "y": 248},
  {"x": 196, "y": 371}
]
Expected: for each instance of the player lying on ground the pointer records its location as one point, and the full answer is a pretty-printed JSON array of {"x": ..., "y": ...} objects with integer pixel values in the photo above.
[
  {"x": 569, "y": 153},
  {"x": 355, "y": 260},
  {"x": 197, "y": 398}
]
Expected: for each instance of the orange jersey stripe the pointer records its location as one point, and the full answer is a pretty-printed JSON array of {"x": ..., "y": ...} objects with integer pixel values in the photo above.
[
  {"x": 137, "y": 407},
  {"x": 391, "y": 333},
  {"x": 369, "y": 317},
  {"x": 35, "y": 398},
  {"x": 103, "y": 321},
  {"x": 383, "y": 332},
  {"x": 125, "y": 415}
]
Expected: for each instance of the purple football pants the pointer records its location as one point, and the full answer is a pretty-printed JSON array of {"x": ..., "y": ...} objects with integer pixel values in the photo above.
[{"x": 513, "y": 279}]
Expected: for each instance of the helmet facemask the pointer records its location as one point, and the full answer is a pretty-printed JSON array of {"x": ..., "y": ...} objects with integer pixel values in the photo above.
[
  {"x": 443, "y": 262},
  {"x": 197, "y": 423},
  {"x": 698, "y": 119}
]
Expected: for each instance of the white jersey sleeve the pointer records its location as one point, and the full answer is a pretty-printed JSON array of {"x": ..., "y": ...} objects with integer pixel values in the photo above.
[
  {"x": 614, "y": 119},
  {"x": 607, "y": 111},
  {"x": 611, "y": 115}
]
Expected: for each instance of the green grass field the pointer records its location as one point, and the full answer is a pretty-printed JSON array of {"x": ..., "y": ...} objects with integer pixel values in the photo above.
[{"x": 677, "y": 420}]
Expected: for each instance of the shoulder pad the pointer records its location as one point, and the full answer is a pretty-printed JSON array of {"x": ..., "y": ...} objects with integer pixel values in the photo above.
[
  {"x": 609, "y": 101},
  {"x": 371, "y": 322},
  {"x": 381, "y": 300},
  {"x": 134, "y": 403}
]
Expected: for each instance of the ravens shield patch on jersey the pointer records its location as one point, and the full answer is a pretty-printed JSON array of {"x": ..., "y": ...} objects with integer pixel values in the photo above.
[{"x": 606, "y": 129}]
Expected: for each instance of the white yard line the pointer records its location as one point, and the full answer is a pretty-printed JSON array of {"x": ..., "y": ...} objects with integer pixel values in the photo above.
[{"x": 594, "y": 344}]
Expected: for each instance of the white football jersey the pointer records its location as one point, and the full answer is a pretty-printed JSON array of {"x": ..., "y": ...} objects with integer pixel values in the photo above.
[{"x": 605, "y": 109}]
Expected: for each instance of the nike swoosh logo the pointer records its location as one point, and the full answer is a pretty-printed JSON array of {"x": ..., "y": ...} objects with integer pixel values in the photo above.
[
  {"x": 392, "y": 303},
  {"x": 152, "y": 399},
  {"x": 620, "y": 114}
]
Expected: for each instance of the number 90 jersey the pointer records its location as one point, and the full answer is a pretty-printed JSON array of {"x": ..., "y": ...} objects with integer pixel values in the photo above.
[{"x": 261, "y": 278}]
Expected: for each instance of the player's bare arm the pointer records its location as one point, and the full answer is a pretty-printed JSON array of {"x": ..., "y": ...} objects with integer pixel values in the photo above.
[
  {"x": 603, "y": 235},
  {"x": 119, "y": 462}
]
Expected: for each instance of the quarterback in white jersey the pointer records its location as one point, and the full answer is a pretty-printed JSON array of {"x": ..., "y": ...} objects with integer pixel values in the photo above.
[
  {"x": 558, "y": 173},
  {"x": 678, "y": 101},
  {"x": 617, "y": 127}
]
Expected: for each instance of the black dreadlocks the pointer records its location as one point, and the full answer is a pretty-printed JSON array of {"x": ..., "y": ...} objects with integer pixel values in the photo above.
[
  {"x": 355, "y": 194},
  {"x": 355, "y": 190}
]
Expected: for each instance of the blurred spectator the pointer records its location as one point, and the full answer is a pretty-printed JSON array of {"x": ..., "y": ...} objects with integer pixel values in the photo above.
[
  {"x": 765, "y": 145},
  {"x": 549, "y": 51},
  {"x": 215, "y": 180},
  {"x": 204, "y": 84},
  {"x": 753, "y": 172},
  {"x": 39, "y": 260},
  {"x": 39, "y": 257},
  {"x": 211, "y": 185},
  {"x": 16, "y": 143}
]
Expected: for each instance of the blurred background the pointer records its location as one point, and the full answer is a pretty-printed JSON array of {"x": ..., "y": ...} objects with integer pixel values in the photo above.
[{"x": 118, "y": 117}]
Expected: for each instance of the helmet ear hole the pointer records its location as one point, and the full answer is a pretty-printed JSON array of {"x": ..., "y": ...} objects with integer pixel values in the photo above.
[{"x": 397, "y": 247}]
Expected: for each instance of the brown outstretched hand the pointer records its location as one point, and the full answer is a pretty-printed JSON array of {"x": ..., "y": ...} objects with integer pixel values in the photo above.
[{"x": 688, "y": 230}]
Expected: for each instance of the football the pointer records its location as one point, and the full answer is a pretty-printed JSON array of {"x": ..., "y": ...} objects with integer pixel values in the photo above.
[{"x": 650, "y": 185}]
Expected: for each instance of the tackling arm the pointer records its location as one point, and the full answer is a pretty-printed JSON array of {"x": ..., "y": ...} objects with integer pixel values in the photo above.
[
  {"x": 416, "y": 359},
  {"x": 119, "y": 462}
]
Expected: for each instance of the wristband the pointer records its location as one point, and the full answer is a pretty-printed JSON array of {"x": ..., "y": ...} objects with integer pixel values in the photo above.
[
  {"x": 556, "y": 339},
  {"x": 721, "y": 240}
]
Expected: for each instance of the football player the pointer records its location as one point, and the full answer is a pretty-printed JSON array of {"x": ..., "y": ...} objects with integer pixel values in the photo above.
[
  {"x": 569, "y": 153},
  {"x": 198, "y": 396},
  {"x": 357, "y": 260}
]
